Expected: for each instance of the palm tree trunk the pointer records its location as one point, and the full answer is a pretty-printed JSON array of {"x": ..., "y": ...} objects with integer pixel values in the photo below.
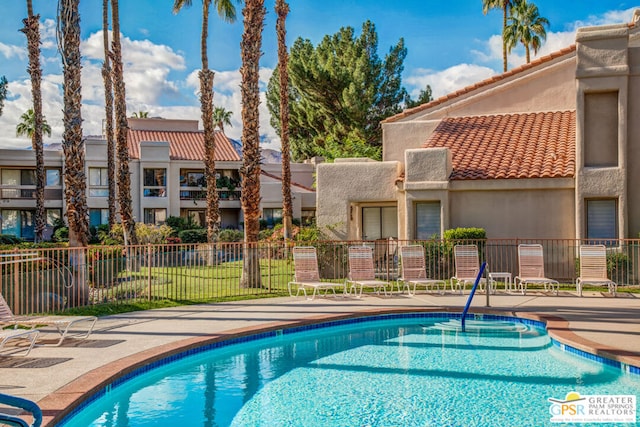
[
  {"x": 108, "y": 106},
  {"x": 73, "y": 146},
  {"x": 32, "y": 31},
  {"x": 505, "y": 6},
  {"x": 282, "y": 9},
  {"x": 253, "y": 12},
  {"x": 527, "y": 52},
  {"x": 124, "y": 178},
  {"x": 206, "y": 105}
]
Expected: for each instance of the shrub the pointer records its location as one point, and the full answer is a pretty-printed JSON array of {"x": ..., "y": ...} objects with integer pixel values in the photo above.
[
  {"x": 9, "y": 239},
  {"x": 198, "y": 235},
  {"x": 469, "y": 233},
  {"x": 230, "y": 236},
  {"x": 61, "y": 234}
]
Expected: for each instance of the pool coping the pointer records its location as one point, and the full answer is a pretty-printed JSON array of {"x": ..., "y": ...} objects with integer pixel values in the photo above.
[{"x": 64, "y": 401}]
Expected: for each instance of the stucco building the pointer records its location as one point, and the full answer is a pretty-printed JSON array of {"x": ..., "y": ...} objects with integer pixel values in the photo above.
[
  {"x": 545, "y": 150},
  {"x": 167, "y": 179}
]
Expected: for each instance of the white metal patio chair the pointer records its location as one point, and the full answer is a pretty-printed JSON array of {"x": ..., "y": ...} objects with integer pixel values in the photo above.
[
  {"x": 362, "y": 271},
  {"x": 531, "y": 269},
  {"x": 467, "y": 267},
  {"x": 593, "y": 268},
  {"x": 307, "y": 274},
  {"x": 413, "y": 270},
  {"x": 63, "y": 324},
  {"x": 9, "y": 334}
]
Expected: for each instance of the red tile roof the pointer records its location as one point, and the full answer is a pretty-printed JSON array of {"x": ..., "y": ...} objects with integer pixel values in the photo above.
[
  {"x": 183, "y": 145},
  {"x": 490, "y": 80},
  {"x": 532, "y": 145}
]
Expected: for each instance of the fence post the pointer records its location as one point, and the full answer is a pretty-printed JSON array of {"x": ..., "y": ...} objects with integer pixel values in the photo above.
[
  {"x": 149, "y": 260},
  {"x": 269, "y": 266}
]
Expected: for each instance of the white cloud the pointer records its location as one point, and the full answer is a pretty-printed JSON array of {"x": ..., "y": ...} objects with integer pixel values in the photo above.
[
  {"x": 48, "y": 34},
  {"x": 10, "y": 51},
  {"x": 449, "y": 80}
]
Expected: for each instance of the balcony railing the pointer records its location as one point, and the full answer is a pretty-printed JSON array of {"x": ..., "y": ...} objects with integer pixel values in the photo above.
[
  {"x": 28, "y": 192},
  {"x": 201, "y": 194}
]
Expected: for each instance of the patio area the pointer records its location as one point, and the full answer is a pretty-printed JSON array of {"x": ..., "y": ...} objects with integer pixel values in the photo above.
[{"x": 56, "y": 377}]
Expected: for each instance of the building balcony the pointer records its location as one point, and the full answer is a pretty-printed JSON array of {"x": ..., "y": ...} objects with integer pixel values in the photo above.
[
  {"x": 190, "y": 193},
  {"x": 28, "y": 192}
]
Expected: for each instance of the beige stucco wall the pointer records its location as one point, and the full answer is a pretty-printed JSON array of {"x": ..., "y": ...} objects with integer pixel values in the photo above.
[
  {"x": 532, "y": 213},
  {"x": 633, "y": 143},
  {"x": 602, "y": 66},
  {"x": 346, "y": 186}
]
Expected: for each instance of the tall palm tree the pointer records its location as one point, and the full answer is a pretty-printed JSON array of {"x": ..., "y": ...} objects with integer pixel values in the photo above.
[
  {"x": 122, "y": 149},
  {"x": 221, "y": 117},
  {"x": 3, "y": 92},
  {"x": 227, "y": 11},
  {"x": 27, "y": 125},
  {"x": 527, "y": 27},
  {"x": 505, "y": 6},
  {"x": 72, "y": 144},
  {"x": 282, "y": 9},
  {"x": 250, "y": 48},
  {"x": 32, "y": 32},
  {"x": 108, "y": 107}
]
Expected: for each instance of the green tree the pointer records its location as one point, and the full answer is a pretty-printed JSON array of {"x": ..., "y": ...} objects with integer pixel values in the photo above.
[
  {"x": 75, "y": 188},
  {"x": 505, "y": 6},
  {"x": 424, "y": 97},
  {"x": 27, "y": 125},
  {"x": 32, "y": 31},
  {"x": 108, "y": 109},
  {"x": 141, "y": 114},
  {"x": 3, "y": 92},
  {"x": 227, "y": 11},
  {"x": 527, "y": 27},
  {"x": 221, "y": 117},
  {"x": 282, "y": 10},
  {"x": 250, "y": 52},
  {"x": 339, "y": 90}
]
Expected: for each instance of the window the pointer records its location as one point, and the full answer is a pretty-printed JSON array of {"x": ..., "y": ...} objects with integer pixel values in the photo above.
[
  {"x": 155, "y": 216},
  {"x": 379, "y": 222},
  {"x": 193, "y": 179},
  {"x": 98, "y": 182},
  {"x": 307, "y": 216},
  {"x": 19, "y": 223},
  {"x": 155, "y": 183},
  {"x": 272, "y": 216},
  {"x": 53, "y": 215},
  {"x": 601, "y": 129},
  {"x": 602, "y": 219},
  {"x": 98, "y": 217},
  {"x": 27, "y": 177},
  {"x": 53, "y": 177},
  {"x": 427, "y": 220}
]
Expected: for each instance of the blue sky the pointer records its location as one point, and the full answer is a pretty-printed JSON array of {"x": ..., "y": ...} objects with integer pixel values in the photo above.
[{"x": 450, "y": 45}]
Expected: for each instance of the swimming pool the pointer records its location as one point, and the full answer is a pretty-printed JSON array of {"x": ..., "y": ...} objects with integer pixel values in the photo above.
[{"x": 391, "y": 370}]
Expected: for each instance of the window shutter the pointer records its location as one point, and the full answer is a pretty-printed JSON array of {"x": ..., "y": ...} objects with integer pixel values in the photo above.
[
  {"x": 427, "y": 220},
  {"x": 601, "y": 219}
]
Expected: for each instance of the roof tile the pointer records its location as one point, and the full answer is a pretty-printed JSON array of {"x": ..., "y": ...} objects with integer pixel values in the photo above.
[
  {"x": 183, "y": 145},
  {"x": 531, "y": 145}
]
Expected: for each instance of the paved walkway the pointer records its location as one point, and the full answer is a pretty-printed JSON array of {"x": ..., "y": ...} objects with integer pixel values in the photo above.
[{"x": 58, "y": 377}]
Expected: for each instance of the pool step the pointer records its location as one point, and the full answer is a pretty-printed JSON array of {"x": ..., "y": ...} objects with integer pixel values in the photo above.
[{"x": 455, "y": 325}]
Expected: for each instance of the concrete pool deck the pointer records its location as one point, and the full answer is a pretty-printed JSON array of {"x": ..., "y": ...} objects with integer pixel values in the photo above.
[{"x": 58, "y": 377}]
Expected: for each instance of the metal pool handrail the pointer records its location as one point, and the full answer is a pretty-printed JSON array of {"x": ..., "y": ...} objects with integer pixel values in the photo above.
[
  {"x": 19, "y": 402},
  {"x": 473, "y": 291}
]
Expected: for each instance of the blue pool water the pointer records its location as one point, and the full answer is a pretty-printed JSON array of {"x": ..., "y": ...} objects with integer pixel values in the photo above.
[{"x": 398, "y": 372}]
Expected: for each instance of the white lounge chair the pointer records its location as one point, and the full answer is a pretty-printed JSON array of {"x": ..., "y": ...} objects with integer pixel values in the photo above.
[
  {"x": 62, "y": 323},
  {"x": 414, "y": 272},
  {"x": 593, "y": 268},
  {"x": 467, "y": 267},
  {"x": 362, "y": 271},
  {"x": 531, "y": 269},
  {"x": 307, "y": 275},
  {"x": 9, "y": 334}
]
